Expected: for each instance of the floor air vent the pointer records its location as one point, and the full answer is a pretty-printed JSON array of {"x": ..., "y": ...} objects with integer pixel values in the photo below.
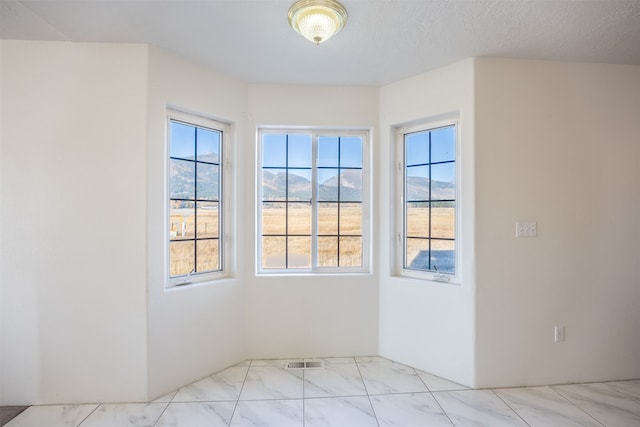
[{"x": 314, "y": 364}]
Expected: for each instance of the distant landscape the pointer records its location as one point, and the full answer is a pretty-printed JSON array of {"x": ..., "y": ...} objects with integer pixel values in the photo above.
[
  {"x": 345, "y": 250},
  {"x": 274, "y": 186}
]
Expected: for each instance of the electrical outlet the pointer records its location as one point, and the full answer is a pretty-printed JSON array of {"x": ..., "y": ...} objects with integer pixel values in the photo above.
[
  {"x": 558, "y": 333},
  {"x": 526, "y": 229}
]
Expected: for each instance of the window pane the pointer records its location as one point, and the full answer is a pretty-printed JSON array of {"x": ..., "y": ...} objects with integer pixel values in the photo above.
[
  {"x": 299, "y": 184},
  {"x": 182, "y": 220},
  {"x": 351, "y": 152},
  {"x": 299, "y": 151},
  {"x": 351, "y": 218},
  {"x": 299, "y": 252},
  {"x": 208, "y": 145},
  {"x": 299, "y": 217},
  {"x": 182, "y": 179},
  {"x": 274, "y": 252},
  {"x": 443, "y": 144},
  {"x": 443, "y": 222},
  {"x": 328, "y": 219},
  {"x": 305, "y": 194},
  {"x": 207, "y": 256},
  {"x": 207, "y": 219},
  {"x": 195, "y": 208},
  {"x": 328, "y": 251},
  {"x": 417, "y": 254},
  {"x": 351, "y": 185},
  {"x": 443, "y": 256},
  {"x": 443, "y": 184},
  {"x": 181, "y": 258},
  {"x": 328, "y": 151},
  {"x": 416, "y": 148},
  {"x": 274, "y": 150},
  {"x": 430, "y": 207},
  {"x": 274, "y": 218},
  {"x": 328, "y": 185},
  {"x": 274, "y": 184},
  {"x": 207, "y": 185},
  {"x": 417, "y": 183},
  {"x": 417, "y": 219},
  {"x": 183, "y": 141},
  {"x": 350, "y": 251}
]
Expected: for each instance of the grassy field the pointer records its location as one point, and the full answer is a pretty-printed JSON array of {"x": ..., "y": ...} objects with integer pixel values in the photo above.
[
  {"x": 181, "y": 253},
  {"x": 332, "y": 249},
  {"x": 442, "y": 225},
  {"x": 346, "y": 249}
]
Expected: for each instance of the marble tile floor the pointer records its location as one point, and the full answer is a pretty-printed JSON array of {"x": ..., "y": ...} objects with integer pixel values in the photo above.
[
  {"x": 7, "y": 413},
  {"x": 352, "y": 392}
]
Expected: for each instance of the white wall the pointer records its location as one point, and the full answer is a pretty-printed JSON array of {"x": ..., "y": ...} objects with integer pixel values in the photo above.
[
  {"x": 196, "y": 330},
  {"x": 426, "y": 324},
  {"x": 82, "y": 225},
  {"x": 306, "y": 316},
  {"x": 559, "y": 144},
  {"x": 72, "y": 255}
]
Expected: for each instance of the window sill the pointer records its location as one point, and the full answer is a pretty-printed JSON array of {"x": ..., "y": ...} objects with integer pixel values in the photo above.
[
  {"x": 441, "y": 279},
  {"x": 309, "y": 273},
  {"x": 196, "y": 281}
]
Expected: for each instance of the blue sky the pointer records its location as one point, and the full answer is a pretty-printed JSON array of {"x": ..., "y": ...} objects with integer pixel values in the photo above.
[
  {"x": 443, "y": 144},
  {"x": 183, "y": 141},
  {"x": 300, "y": 151}
]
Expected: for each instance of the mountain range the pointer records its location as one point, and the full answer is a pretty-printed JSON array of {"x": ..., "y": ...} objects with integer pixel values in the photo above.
[
  {"x": 350, "y": 181},
  {"x": 182, "y": 180},
  {"x": 274, "y": 185}
]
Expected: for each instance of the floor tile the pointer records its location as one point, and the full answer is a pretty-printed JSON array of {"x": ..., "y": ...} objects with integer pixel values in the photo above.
[
  {"x": 125, "y": 415},
  {"x": 543, "y": 407},
  {"x": 274, "y": 362},
  {"x": 167, "y": 398},
  {"x": 368, "y": 391},
  {"x": 477, "y": 408},
  {"x": 272, "y": 382},
  {"x": 332, "y": 360},
  {"x": 339, "y": 412},
  {"x": 52, "y": 416},
  {"x": 223, "y": 386},
  {"x": 407, "y": 410},
  {"x": 604, "y": 402},
  {"x": 333, "y": 381},
  {"x": 268, "y": 413},
  {"x": 435, "y": 383},
  {"x": 385, "y": 378},
  {"x": 8, "y": 413},
  {"x": 372, "y": 359},
  {"x": 197, "y": 414},
  {"x": 631, "y": 388}
]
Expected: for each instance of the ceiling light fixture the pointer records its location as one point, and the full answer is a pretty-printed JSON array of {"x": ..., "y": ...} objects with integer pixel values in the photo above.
[{"x": 317, "y": 20}]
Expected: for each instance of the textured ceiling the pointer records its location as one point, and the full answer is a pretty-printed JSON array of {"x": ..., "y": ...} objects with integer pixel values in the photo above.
[{"x": 383, "y": 41}]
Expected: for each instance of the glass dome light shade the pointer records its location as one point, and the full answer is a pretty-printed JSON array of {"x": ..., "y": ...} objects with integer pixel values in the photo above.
[{"x": 317, "y": 20}]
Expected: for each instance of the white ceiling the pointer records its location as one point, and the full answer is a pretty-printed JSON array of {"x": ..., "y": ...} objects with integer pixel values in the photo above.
[{"x": 383, "y": 41}]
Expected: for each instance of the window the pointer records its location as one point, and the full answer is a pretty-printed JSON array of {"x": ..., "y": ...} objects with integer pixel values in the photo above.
[
  {"x": 195, "y": 196},
  {"x": 428, "y": 206},
  {"x": 313, "y": 201}
]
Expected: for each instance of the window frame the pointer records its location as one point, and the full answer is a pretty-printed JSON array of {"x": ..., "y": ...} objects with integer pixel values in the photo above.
[
  {"x": 399, "y": 133},
  {"x": 224, "y": 199},
  {"x": 316, "y": 132}
]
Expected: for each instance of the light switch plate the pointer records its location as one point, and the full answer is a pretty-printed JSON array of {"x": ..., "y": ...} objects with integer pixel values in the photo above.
[{"x": 526, "y": 229}]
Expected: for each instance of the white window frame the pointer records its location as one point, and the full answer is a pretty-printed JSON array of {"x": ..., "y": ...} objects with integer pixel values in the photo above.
[
  {"x": 365, "y": 134},
  {"x": 399, "y": 166},
  {"x": 225, "y": 206}
]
